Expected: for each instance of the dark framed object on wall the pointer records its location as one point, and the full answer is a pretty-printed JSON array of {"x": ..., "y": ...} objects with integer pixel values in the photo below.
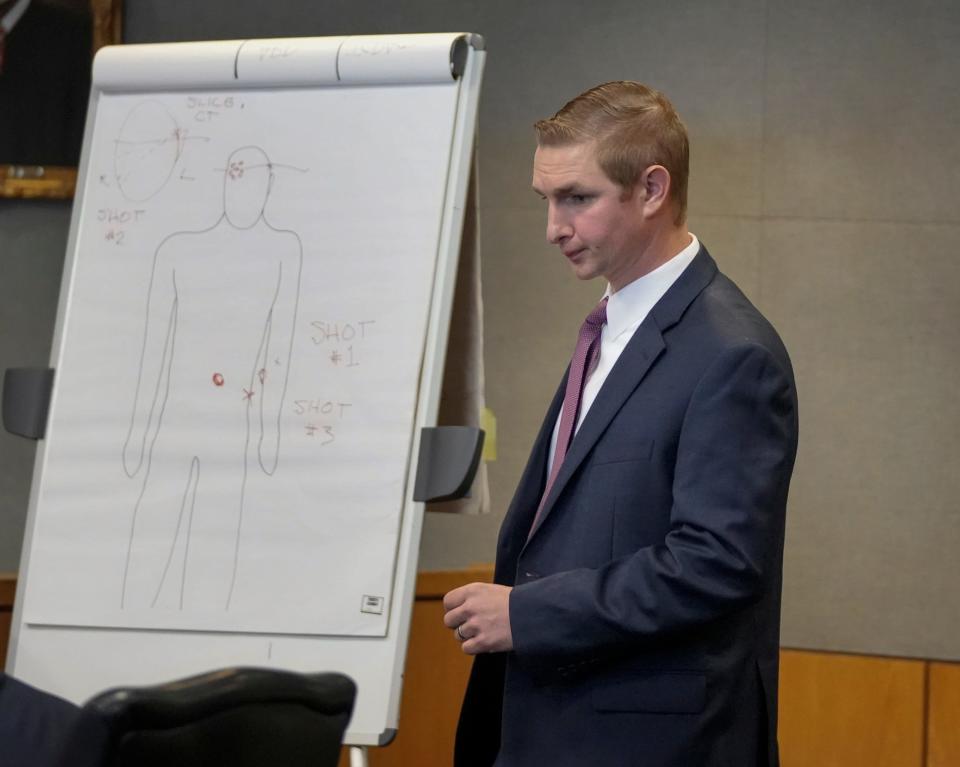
[{"x": 46, "y": 51}]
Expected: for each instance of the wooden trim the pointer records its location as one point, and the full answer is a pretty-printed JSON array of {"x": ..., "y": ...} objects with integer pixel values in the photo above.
[
  {"x": 839, "y": 710},
  {"x": 943, "y": 732},
  {"x": 107, "y": 22},
  {"x": 8, "y": 588},
  {"x": 51, "y": 182},
  {"x": 433, "y": 584},
  {"x": 851, "y": 654}
]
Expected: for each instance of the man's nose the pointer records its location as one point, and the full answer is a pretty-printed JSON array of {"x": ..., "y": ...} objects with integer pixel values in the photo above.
[{"x": 558, "y": 229}]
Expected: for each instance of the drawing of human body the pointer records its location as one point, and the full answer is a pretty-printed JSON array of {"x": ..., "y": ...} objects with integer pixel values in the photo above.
[{"x": 217, "y": 343}]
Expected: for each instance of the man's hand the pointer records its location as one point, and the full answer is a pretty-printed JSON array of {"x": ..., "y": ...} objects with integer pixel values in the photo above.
[{"x": 479, "y": 614}]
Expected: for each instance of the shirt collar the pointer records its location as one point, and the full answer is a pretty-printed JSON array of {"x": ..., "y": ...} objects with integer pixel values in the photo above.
[{"x": 630, "y": 305}]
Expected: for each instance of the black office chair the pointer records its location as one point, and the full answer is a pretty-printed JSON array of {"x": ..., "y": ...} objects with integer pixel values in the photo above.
[{"x": 238, "y": 717}]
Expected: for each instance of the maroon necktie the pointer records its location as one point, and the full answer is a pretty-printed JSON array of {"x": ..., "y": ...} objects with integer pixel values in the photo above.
[{"x": 584, "y": 358}]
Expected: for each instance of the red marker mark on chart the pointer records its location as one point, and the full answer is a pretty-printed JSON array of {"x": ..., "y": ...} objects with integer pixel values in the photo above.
[{"x": 217, "y": 379}]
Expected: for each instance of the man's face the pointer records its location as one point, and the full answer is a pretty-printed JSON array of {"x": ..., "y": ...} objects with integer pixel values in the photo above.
[{"x": 599, "y": 228}]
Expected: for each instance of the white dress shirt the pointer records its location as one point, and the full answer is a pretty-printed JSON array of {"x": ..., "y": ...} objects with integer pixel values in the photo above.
[{"x": 626, "y": 309}]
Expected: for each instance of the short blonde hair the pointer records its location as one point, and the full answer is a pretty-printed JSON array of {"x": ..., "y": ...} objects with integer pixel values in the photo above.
[{"x": 634, "y": 127}]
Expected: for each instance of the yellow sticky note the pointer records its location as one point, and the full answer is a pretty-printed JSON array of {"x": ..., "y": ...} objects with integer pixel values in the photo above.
[{"x": 488, "y": 422}]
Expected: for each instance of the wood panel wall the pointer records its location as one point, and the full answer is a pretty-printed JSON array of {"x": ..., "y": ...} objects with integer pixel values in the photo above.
[
  {"x": 848, "y": 710},
  {"x": 8, "y": 588},
  {"x": 835, "y": 710}
]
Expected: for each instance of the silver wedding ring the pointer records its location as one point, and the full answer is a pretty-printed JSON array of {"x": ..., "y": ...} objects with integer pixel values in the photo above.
[{"x": 460, "y": 636}]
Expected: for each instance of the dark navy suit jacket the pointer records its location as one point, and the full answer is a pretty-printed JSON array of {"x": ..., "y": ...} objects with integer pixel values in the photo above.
[
  {"x": 646, "y": 607},
  {"x": 33, "y": 725}
]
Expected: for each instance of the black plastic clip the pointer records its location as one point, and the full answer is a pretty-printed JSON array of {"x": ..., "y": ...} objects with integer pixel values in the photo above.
[
  {"x": 26, "y": 401},
  {"x": 449, "y": 457}
]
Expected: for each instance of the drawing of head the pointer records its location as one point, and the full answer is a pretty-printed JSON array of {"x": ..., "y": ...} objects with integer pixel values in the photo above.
[
  {"x": 247, "y": 179},
  {"x": 146, "y": 150}
]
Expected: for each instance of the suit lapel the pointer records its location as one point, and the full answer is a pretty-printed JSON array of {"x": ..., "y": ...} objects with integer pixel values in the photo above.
[
  {"x": 641, "y": 352},
  {"x": 519, "y": 516}
]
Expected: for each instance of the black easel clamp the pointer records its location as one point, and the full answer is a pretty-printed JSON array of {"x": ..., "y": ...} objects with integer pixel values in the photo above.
[
  {"x": 448, "y": 462},
  {"x": 26, "y": 401}
]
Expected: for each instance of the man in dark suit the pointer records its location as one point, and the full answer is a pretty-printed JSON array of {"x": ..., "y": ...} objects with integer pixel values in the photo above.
[
  {"x": 634, "y": 618},
  {"x": 33, "y": 724}
]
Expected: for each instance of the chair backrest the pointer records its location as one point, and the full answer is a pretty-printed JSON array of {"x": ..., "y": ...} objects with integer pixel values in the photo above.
[{"x": 239, "y": 717}]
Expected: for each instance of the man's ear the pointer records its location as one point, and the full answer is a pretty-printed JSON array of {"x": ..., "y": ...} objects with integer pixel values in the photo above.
[{"x": 654, "y": 186}]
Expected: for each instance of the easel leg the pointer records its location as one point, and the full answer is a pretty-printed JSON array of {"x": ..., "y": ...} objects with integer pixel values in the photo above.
[{"x": 358, "y": 756}]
